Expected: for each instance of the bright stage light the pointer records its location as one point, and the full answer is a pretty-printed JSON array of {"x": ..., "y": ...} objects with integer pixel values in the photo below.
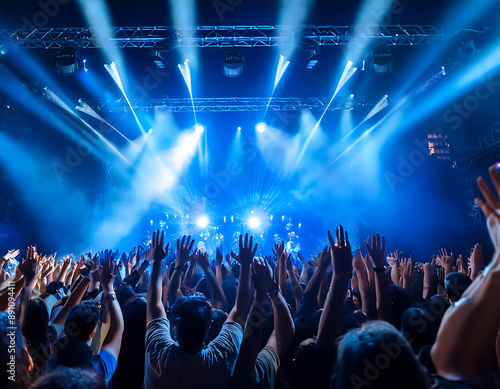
[
  {"x": 253, "y": 222},
  {"x": 199, "y": 129},
  {"x": 202, "y": 222},
  {"x": 261, "y": 127},
  {"x": 239, "y": 128},
  {"x": 150, "y": 131}
]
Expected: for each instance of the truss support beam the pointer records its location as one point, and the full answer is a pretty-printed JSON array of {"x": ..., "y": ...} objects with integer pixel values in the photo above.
[
  {"x": 233, "y": 104},
  {"x": 163, "y": 37}
]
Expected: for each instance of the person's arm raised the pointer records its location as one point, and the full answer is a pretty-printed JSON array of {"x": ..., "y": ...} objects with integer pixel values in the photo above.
[
  {"x": 284, "y": 328},
  {"x": 384, "y": 300},
  {"x": 330, "y": 324},
  {"x": 294, "y": 282},
  {"x": 182, "y": 256},
  {"x": 367, "y": 290},
  {"x": 219, "y": 300},
  {"x": 243, "y": 294},
  {"x": 475, "y": 318},
  {"x": 155, "y": 308},
  {"x": 430, "y": 283},
  {"x": 113, "y": 340}
]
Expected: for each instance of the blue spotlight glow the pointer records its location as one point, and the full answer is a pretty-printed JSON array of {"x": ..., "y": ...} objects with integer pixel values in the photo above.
[
  {"x": 202, "y": 222},
  {"x": 253, "y": 222},
  {"x": 85, "y": 65},
  {"x": 239, "y": 128},
  {"x": 199, "y": 129},
  {"x": 261, "y": 127},
  {"x": 150, "y": 131}
]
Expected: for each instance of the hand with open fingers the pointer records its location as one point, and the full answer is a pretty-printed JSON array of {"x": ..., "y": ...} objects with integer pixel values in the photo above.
[
  {"x": 444, "y": 259},
  {"x": 109, "y": 271},
  {"x": 246, "y": 250},
  {"x": 156, "y": 251},
  {"x": 262, "y": 275},
  {"x": 490, "y": 206},
  {"x": 279, "y": 250},
  {"x": 203, "y": 260},
  {"x": 376, "y": 250},
  {"x": 184, "y": 247},
  {"x": 394, "y": 259},
  {"x": 341, "y": 254},
  {"x": 30, "y": 266},
  {"x": 357, "y": 263}
]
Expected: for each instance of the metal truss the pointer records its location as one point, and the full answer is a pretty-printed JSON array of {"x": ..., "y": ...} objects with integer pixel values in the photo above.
[
  {"x": 163, "y": 37},
  {"x": 487, "y": 142},
  {"x": 231, "y": 104}
]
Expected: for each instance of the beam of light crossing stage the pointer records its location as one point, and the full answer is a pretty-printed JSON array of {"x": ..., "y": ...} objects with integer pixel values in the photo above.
[
  {"x": 349, "y": 70},
  {"x": 52, "y": 97},
  {"x": 185, "y": 69},
  {"x": 282, "y": 65},
  {"x": 85, "y": 108},
  {"x": 113, "y": 72},
  {"x": 381, "y": 104}
]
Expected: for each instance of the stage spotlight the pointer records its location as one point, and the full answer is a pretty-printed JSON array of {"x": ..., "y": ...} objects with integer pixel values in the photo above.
[
  {"x": 232, "y": 65},
  {"x": 382, "y": 59},
  {"x": 239, "y": 128},
  {"x": 261, "y": 127},
  {"x": 67, "y": 60},
  {"x": 202, "y": 222},
  {"x": 199, "y": 129},
  {"x": 150, "y": 131},
  {"x": 253, "y": 222}
]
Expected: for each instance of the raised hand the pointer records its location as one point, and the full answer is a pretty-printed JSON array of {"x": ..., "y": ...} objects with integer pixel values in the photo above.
[
  {"x": 462, "y": 265},
  {"x": 184, "y": 247},
  {"x": 246, "y": 250},
  {"x": 408, "y": 274},
  {"x": 219, "y": 257},
  {"x": 376, "y": 250},
  {"x": 341, "y": 253},
  {"x": 156, "y": 251},
  {"x": 203, "y": 260},
  {"x": 30, "y": 266},
  {"x": 476, "y": 261},
  {"x": 394, "y": 259},
  {"x": 323, "y": 259},
  {"x": 444, "y": 259},
  {"x": 109, "y": 271},
  {"x": 279, "y": 249},
  {"x": 288, "y": 262},
  {"x": 262, "y": 276},
  {"x": 430, "y": 266}
]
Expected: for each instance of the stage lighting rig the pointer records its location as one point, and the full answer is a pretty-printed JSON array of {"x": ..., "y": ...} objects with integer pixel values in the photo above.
[
  {"x": 232, "y": 65},
  {"x": 382, "y": 59},
  {"x": 66, "y": 60}
]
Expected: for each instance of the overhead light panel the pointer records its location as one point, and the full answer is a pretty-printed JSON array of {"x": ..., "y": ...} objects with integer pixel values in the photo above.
[
  {"x": 232, "y": 65},
  {"x": 67, "y": 60},
  {"x": 382, "y": 59}
]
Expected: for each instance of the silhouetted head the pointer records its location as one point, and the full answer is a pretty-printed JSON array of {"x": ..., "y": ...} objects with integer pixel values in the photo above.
[
  {"x": 418, "y": 328},
  {"x": 455, "y": 285},
  {"x": 81, "y": 321},
  {"x": 377, "y": 356},
  {"x": 70, "y": 378},
  {"x": 36, "y": 321},
  {"x": 192, "y": 317}
]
